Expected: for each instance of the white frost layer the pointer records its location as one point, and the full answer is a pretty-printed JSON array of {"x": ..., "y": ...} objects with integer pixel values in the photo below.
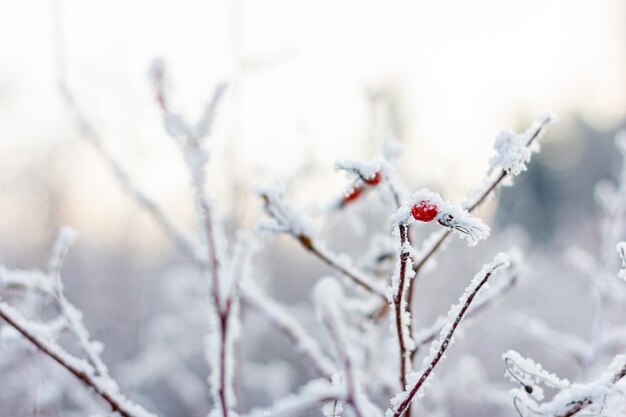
[
  {"x": 499, "y": 261},
  {"x": 621, "y": 249},
  {"x": 358, "y": 168},
  {"x": 450, "y": 215},
  {"x": 281, "y": 216},
  {"x": 512, "y": 149}
]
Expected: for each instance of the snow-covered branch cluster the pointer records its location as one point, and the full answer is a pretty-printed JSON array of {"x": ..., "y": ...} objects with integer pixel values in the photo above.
[
  {"x": 363, "y": 348},
  {"x": 602, "y": 396},
  {"x": 90, "y": 369}
]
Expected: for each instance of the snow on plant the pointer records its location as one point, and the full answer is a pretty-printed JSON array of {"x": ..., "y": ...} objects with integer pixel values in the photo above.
[
  {"x": 621, "y": 250},
  {"x": 416, "y": 380},
  {"x": 355, "y": 363},
  {"x": 513, "y": 150},
  {"x": 570, "y": 398},
  {"x": 91, "y": 370},
  {"x": 426, "y": 206},
  {"x": 281, "y": 217},
  {"x": 602, "y": 396}
]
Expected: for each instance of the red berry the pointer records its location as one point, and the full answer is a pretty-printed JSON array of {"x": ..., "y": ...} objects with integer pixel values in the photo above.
[
  {"x": 352, "y": 195},
  {"x": 424, "y": 211},
  {"x": 375, "y": 180}
]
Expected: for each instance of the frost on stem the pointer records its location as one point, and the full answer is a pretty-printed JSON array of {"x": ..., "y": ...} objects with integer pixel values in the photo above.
[
  {"x": 426, "y": 206},
  {"x": 284, "y": 321},
  {"x": 224, "y": 317},
  {"x": 513, "y": 153},
  {"x": 91, "y": 371},
  {"x": 570, "y": 398},
  {"x": 330, "y": 302},
  {"x": 427, "y": 334},
  {"x": 313, "y": 394},
  {"x": 621, "y": 249},
  {"x": 363, "y": 175},
  {"x": 416, "y": 380},
  {"x": 531, "y": 375},
  {"x": 175, "y": 123},
  {"x": 513, "y": 150},
  {"x": 281, "y": 217}
]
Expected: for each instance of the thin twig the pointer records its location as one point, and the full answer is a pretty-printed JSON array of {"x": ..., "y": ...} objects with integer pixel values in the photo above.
[
  {"x": 329, "y": 260},
  {"x": 580, "y": 405},
  {"x": 429, "y": 334},
  {"x": 86, "y": 373},
  {"x": 419, "y": 264},
  {"x": 397, "y": 302},
  {"x": 403, "y": 406}
]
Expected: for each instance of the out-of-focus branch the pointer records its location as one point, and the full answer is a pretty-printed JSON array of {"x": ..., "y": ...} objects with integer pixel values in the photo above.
[
  {"x": 93, "y": 372},
  {"x": 80, "y": 369},
  {"x": 283, "y": 218},
  {"x": 291, "y": 328},
  {"x": 329, "y": 301}
]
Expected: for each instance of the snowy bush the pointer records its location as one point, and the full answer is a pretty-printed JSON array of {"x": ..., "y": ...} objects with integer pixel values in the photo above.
[{"x": 357, "y": 338}]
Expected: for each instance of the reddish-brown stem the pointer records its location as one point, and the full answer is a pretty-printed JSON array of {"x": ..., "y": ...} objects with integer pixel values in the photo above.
[
  {"x": 404, "y": 405},
  {"x": 397, "y": 301},
  {"x": 477, "y": 307},
  {"x": 580, "y": 405},
  {"x": 221, "y": 313},
  {"x": 308, "y": 244},
  {"x": 116, "y": 405}
]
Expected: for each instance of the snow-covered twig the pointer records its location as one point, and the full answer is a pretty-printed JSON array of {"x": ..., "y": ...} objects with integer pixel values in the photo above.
[
  {"x": 402, "y": 401},
  {"x": 402, "y": 317},
  {"x": 91, "y": 135},
  {"x": 476, "y": 197},
  {"x": 92, "y": 372},
  {"x": 329, "y": 298},
  {"x": 291, "y": 328},
  {"x": 314, "y": 393},
  {"x": 104, "y": 387},
  {"x": 283, "y": 218},
  {"x": 224, "y": 294},
  {"x": 427, "y": 334},
  {"x": 570, "y": 399}
]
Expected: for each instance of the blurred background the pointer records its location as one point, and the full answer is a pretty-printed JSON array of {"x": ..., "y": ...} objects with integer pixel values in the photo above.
[{"x": 309, "y": 83}]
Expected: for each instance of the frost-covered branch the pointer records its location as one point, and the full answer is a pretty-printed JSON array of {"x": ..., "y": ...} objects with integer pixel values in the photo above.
[
  {"x": 282, "y": 319},
  {"x": 313, "y": 394},
  {"x": 223, "y": 289},
  {"x": 329, "y": 299},
  {"x": 402, "y": 316},
  {"x": 93, "y": 372},
  {"x": 283, "y": 218},
  {"x": 489, "y": 296},
  {"x": 104, "y": 387},
  {"x": 403, "y": 400},
  {"x": 509, "y": 167},
  {"x": 571, "y": 398}
]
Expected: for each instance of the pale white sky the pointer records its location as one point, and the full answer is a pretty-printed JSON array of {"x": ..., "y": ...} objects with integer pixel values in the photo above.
[{"x": 300, "y": 72}]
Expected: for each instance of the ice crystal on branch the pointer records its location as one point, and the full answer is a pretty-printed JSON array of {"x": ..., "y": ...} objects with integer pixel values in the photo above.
[
  {"x": 426, "y": 206},
  {"x": 417, "y": 380},
  {"x": 281, "y": 216},
  {"x": 359, "y": 170},
  {"x": 513, "y": 150},
  {"x": 571, "y": 398},
  {"x": 531, "y": 375},
  {"x": 621, "y": 249}
]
